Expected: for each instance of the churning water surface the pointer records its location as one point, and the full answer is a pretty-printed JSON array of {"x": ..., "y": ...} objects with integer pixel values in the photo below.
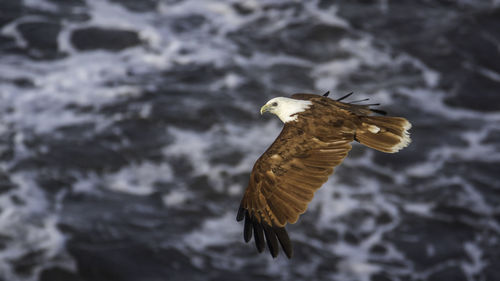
[{"x": 128, "y": 130}]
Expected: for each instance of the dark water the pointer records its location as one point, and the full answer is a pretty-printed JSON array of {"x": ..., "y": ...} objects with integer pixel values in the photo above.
[{"x": 128, "y": 130}]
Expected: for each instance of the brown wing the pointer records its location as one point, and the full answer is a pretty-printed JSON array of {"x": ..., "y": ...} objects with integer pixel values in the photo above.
[
  {"x": 357, "y": 109},
  {"x": 285, "y": 177}
]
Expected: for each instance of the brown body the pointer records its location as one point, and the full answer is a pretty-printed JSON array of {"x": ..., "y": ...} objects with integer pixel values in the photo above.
[{"x": 285, "y": 177}]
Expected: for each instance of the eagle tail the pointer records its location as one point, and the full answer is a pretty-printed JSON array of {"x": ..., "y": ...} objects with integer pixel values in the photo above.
[{"x": 386, "y": 134}]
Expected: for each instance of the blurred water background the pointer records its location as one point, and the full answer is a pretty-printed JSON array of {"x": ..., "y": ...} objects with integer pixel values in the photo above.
[{"x": 128, "y": 130}]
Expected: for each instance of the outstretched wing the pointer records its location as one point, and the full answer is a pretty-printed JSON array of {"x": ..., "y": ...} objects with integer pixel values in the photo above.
[{"x": 285, "y": 177}]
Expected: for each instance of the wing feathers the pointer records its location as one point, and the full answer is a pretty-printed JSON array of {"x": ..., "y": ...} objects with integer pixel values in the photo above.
[
  {"x": 297, "y": 198},
  {"x": 286, "y": 197},
  {"x": 284, "y": 240},
  {"x": 298, "y": 178},
  {"x": 311, "y": 170},
  {"x": 317, "y": 163},
  {"x": 272, "y": 235},
  {"x": 272, "y": 241},
  {"x": 313, "y": 180},
  {"x": 278, "y": 211},
  {"x": 259, "y": 235},
  {"x": 285, "y": 210},
  {"x": 296, "y": 204},
  {"x": 241, "y": 213},
  {"x": 247, "y": 230},
  {"x": 300, "y": 192}
]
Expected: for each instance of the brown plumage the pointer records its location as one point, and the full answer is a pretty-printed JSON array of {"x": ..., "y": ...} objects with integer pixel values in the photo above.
[{"x": 316, "y": 137}]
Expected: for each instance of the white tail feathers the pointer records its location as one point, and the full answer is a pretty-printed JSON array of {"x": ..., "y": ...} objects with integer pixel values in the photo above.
[{"x": 387, "y": 134}]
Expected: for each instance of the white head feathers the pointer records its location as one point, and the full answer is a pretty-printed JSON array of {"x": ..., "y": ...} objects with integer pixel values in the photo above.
[{"x": 285, "y": 108}]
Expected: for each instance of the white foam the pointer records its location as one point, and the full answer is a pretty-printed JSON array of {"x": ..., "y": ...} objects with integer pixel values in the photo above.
[
  {"x": 138, "y": 179},
  {"x": 175, "y": 198},
  {"x": 32, "y": 227},
  {"x": 214, "y": 232},
  {"x": 424, "y": 169},
  {"x": 41, "y": 5},
  {"x": 328, "y": 16},
  {"x": 328, "y": 75},
  {"x": 476, "y": 263},
  {"x": 195, "y": 148},
  {"x": 360, "y": 269},
  {"x": 423, "y": 209}
]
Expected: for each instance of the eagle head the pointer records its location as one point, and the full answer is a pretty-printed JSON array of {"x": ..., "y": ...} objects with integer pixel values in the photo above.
[{"x": 285, "y": 108}]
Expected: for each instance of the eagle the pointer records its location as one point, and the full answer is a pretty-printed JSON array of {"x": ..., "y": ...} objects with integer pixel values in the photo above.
[{"x": 316, "y": 137}]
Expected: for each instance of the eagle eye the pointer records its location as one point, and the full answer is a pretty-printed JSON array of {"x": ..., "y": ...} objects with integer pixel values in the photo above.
[{"x": 274, "y": 104}]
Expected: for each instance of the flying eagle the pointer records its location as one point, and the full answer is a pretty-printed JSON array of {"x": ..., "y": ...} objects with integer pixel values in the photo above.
[{"x": 316, "y": 137}]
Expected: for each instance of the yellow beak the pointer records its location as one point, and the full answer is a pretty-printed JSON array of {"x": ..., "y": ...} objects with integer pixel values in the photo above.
[{"x": 264, "y": 109}]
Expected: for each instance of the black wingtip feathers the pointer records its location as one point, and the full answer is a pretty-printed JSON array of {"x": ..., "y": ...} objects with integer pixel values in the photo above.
[
  {"x": 258, "y": 236},
  {"x": 381, "y": 112},
  {"x": 261, "y": 231},
  {"x": 241, "y": 214},
  {"x": 358, "y": 101},
  {"x": 247, "y": 230},
  {"x": 344, "y": 97},
  {"x": 284, "y": 240}
]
